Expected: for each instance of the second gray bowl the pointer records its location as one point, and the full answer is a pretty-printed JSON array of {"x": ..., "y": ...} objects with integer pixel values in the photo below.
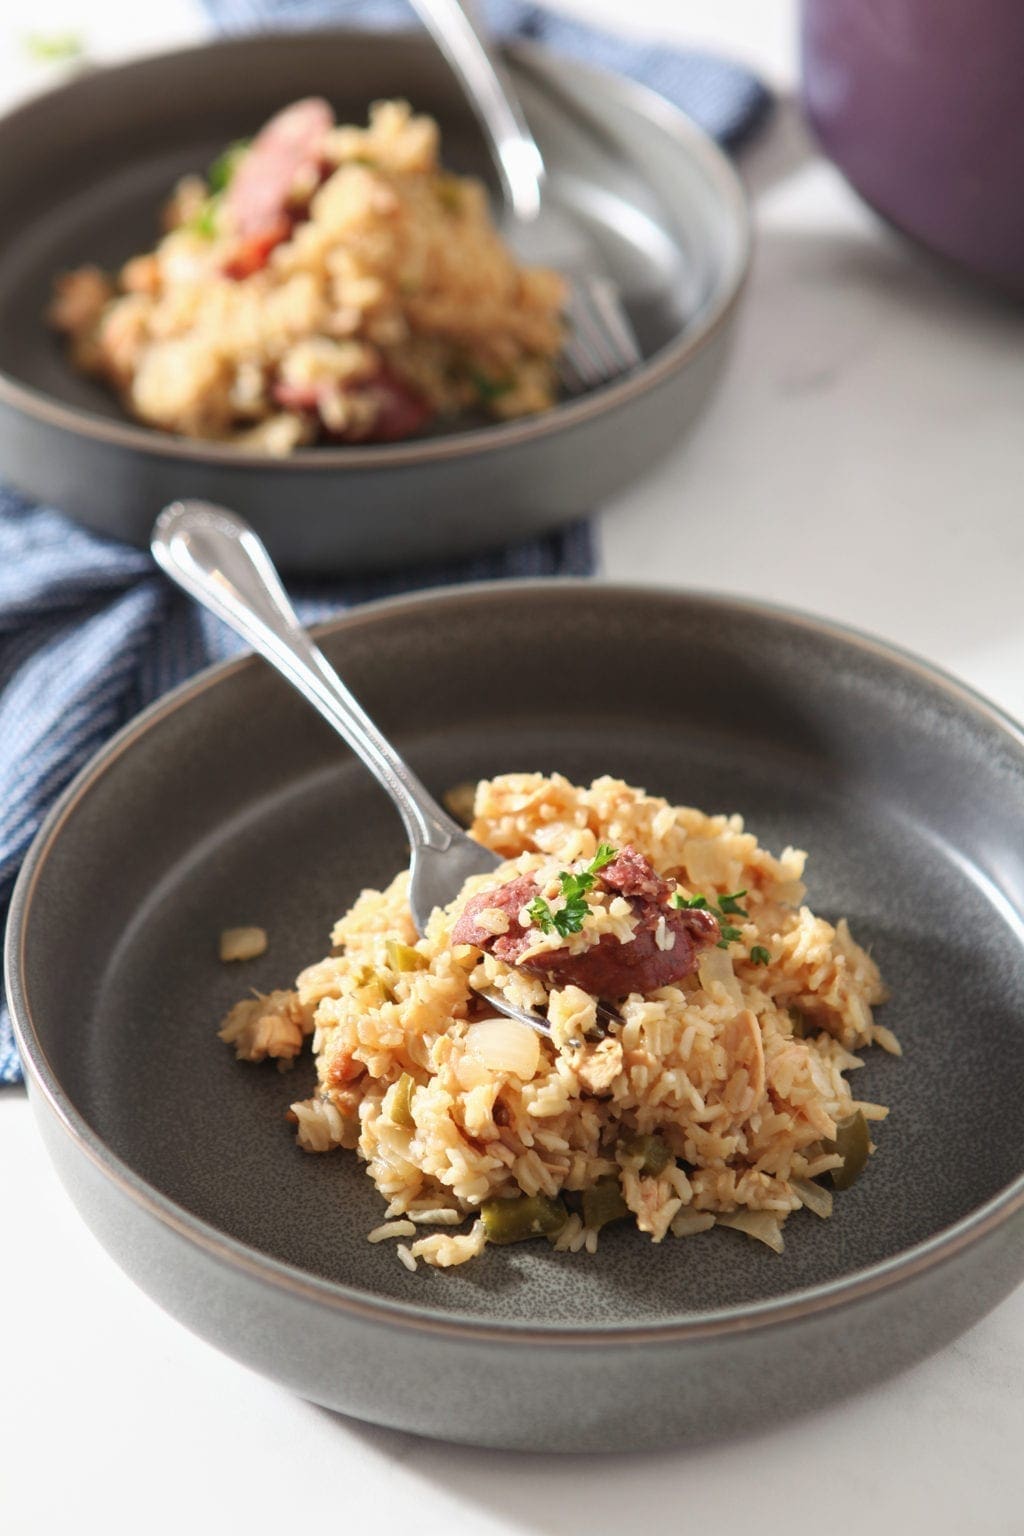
[{"x": 87, "y": 167}]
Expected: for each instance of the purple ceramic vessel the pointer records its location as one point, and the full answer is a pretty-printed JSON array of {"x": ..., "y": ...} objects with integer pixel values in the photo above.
[{"x": 921, "y": 105}]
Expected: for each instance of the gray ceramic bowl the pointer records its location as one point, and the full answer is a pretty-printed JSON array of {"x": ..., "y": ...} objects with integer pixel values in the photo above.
[
  {"x": 231, "y": 802},
  {"x": 87, "y": 167}
]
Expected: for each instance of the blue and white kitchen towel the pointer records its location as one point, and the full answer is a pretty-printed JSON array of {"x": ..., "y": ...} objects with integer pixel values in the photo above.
[
  {"x": 726, "y": 100},
  {"x": 90, "y": 632}
]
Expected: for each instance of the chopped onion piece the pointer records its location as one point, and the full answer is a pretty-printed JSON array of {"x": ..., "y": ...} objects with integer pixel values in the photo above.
[
  {"x": 814, "y": 1196},
  {"x": 763, "y": 1225},
  {"x": 242, "y": 943},
  {"x": 503, "y": 1045},
  {"x": 716, "y": 966},
  {"x": 689, "y": 1223}
]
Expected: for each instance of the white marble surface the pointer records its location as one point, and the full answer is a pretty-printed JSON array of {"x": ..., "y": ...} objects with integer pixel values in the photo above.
[{"x": 864, "y": 459}]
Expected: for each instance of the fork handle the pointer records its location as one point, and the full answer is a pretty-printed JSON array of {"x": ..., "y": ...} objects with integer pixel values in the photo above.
[
  {"x": 218, "y": 560},
  {"x": 466, "y": 44}
]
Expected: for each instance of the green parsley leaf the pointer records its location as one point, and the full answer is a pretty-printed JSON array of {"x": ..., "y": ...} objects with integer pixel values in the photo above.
[
  {"x": 490, "y": 389},
  {"x": 605, "y": 854},
  {"x": 571, "y": 917},
  {"x": 53, "y": 47},
  {"x": 760, "y": 956},
  {"x": 568, "y": 919},
  {"x": 540, "y": 914},
  {"x": 226, "y": 164},
  {"x": 205, "y": 221},
  {"x": 728, "y": 907}
]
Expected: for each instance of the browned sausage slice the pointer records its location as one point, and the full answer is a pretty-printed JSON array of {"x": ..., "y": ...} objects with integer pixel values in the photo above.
[
  {"x": 401, "y": 412},
  {"x": 631, "y": 874},
  {"x": 284, "y": 156},
  {"x": 250, "y": 254},
  {"x": 509, "y": 898}
]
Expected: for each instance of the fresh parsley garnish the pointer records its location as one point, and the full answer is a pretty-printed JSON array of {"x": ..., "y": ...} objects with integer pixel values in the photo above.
[
  {"x": 490, "y": 389},
  {"x": 204, "y": 222},
  {"x": 574, "y": 887},
  {"x": 53, "y": 47},
  {"x": 541, "y": 915},
  {"x": 728, "y": 906},
  {"x": 226, "y": 164},
  {"x": 759, "y": 955}
]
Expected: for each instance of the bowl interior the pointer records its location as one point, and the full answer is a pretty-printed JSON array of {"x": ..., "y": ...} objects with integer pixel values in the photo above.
[
  {"x": 89, "y": 167},
  {"x": 236, "y": 805}
]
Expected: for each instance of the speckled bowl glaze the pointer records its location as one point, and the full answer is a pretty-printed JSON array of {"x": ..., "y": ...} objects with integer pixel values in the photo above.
[{"x": 231, "y": 802}]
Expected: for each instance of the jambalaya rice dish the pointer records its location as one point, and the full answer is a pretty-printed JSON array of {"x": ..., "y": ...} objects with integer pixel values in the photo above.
[
  {"x": 709, "y": 1090},
  {"x": 322, "y": 283}
]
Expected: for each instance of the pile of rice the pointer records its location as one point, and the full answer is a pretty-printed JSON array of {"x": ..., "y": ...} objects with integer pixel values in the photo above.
[
  {"x": 392, "y": 269},
  {"x": 738, "y": 1068}
]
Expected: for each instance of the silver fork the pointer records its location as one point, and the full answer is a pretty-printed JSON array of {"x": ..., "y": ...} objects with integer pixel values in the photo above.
[
  {"x": 216, "y": 558},
  {"x": 601, "y": 343}
]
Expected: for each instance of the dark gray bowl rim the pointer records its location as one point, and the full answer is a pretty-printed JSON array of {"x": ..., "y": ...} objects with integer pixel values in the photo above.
[
  {"x": 669, "y": 360},
  {"x": 782, "y": 1310}
]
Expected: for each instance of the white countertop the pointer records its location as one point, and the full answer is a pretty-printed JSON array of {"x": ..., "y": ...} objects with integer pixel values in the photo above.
[{"x": 863, "y": 459}]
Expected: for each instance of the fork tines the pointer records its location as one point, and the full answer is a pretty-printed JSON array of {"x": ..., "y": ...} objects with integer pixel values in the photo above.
[{"x": 601, "y": 344}]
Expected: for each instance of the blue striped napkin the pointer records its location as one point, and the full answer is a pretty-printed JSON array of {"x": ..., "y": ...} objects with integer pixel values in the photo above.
[
  {"x": 90, "y": 633},
  {"x": 724, "y": 98}
]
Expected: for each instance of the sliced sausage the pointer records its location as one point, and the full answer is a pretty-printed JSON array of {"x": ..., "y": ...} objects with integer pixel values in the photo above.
[
  {"x": 509, "y": 898},
  {"x": 251, "y": 252},
  {"x": 285, "y": 155},
  {"x": 401, "y": 412},
  {"x": 295, "y": 397},
  {"x": 631, "y": 874}
]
